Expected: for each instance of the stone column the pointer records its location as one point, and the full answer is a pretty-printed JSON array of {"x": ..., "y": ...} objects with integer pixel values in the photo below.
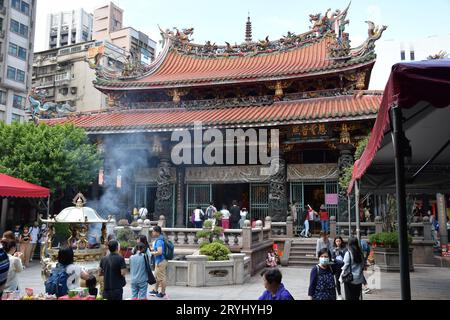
[
  {"x": 164, "y": 192},
  {"x": 290, "y": 227},
  {"x": 278, "y": 193},
  {"x": 427, "y": 236},
  {"x": 238, "y": 267},
  {"x": 378, "y": 224},
  {"x": 196, "y": 270},
  {"x": 442, "y": 214},
  {"x": 180, "y": 197},
  {"x": 247, "y": 235}
]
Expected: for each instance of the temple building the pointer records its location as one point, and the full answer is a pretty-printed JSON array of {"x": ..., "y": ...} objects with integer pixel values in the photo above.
[{"x": 310, "y": 88}]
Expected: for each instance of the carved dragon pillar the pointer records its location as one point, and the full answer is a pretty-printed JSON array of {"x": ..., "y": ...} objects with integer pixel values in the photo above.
[
  {"x": 163, "y": 204},
  {"x": 278, "y": 193},
  {"x": 345, "y": 148}
]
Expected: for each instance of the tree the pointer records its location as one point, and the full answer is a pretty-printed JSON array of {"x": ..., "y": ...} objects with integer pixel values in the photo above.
[
  {"x": 346, "y": 178},
  {"x": 56, "y": 157}
]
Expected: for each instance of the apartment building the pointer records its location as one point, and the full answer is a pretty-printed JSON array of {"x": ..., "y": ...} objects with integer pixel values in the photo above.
[{"x": 17, "y": 28}]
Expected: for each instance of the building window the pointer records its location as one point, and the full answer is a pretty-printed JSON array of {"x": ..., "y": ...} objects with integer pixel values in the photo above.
[
  {"x": 412, "y": 55},
  {"x": 19, "y": 28},
  {"x": 403, "y": 55},
  {"x": 15, "y": 74},
  {"x": 11, "y": 73},
  {"x": 2, "y": 97},
  {"x": 13, "y": 50},
  {"x": 25, "y": 8},
  {"x": 15, "y": 4},
  {"x": 18, "y": 102},
  {"x": 16, "y": 51}
]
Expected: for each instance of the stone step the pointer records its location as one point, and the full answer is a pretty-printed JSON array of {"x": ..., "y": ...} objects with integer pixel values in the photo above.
[
  {"x": 303, "y": 259},
  {"x": 303, "y": 248},
  {"x": 308, "y": 265},
  {"x": 301, "y": 254}
]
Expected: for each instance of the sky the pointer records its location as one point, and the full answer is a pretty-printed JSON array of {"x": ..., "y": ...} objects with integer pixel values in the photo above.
[{"x": 220, "y": 21}]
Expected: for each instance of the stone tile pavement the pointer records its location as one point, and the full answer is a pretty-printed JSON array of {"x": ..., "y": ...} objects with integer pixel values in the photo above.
[{"x": 426, "y": 284}]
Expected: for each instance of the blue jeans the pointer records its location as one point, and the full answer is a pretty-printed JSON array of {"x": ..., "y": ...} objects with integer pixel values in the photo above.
[
  {"x": 306, "y": 230},
  {"x": 139, "y": 290},
  {"x": 325, "y": 225},
  {"x": 198, "y": 224}
]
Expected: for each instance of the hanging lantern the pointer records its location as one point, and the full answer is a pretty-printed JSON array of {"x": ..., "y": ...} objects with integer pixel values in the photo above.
[
  {"x": 119, "y": 179},
  {"x": 101, "y": 177}
]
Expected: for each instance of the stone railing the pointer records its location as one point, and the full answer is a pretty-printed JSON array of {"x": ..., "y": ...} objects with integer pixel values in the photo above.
[
  {"x": 419, "y": 231},
  {"x": 282, "y": 229},
  {"x": 254, "y": 242}
]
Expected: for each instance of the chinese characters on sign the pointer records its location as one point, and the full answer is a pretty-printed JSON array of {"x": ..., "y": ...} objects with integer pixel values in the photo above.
[{"x": 310, "y": 130}]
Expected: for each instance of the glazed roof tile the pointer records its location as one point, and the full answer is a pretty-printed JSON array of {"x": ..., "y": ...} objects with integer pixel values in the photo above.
[
  {"x": 178, "y": 69},
  {"x": 280, "y": 113}
]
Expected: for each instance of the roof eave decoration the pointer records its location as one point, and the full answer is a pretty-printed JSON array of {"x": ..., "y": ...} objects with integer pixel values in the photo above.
[{"x": 328, "y": 25}]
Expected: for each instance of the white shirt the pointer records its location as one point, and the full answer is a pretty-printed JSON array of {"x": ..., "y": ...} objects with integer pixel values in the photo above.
[
  {"x": 143, "y": 213},
  {"x": 74, "y": 272},
  {"x": 198, "y": 214},
  {"x": 34, "y": 231},
  {"x": 244, "y": 214},
  {"x": 225, "y": 214},
  {"x": 311, "y": 215},
  {"x": 15, "y": 267}
]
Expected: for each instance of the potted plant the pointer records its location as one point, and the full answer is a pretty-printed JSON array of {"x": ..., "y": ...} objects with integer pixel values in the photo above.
[
  {"x": 386, "y": 251},
  {"x": 210, "y": 232},
  {"x": 126, "y": 239}
]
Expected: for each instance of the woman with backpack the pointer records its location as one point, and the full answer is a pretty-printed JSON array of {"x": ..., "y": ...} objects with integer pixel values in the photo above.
[
  {"x": 321, "y": 284},
  {"x": 66, "y": 275},
  {"x": 338, "y": 255},
  {"x": 353, "y": 270}
]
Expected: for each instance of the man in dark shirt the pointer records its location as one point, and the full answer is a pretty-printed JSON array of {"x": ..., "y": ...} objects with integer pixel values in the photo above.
[
  {"x": 113, "y": 269},
  {"x": 235, "y": 212}
]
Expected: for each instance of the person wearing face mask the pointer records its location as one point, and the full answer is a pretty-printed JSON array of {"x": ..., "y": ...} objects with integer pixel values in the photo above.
[{"x": 322, "y": 285}]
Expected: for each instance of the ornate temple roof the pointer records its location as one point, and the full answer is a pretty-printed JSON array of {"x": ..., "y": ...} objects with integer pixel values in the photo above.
[
  {"x": 324, "y": 109},
  {"x": 182, "y": 63}
]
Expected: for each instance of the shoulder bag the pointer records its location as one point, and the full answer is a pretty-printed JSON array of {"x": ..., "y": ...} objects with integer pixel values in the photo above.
[{"x": 347, "y": 277}]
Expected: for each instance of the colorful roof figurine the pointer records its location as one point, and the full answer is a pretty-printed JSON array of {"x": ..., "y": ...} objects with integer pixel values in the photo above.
[{"x": 182, "y": 63}]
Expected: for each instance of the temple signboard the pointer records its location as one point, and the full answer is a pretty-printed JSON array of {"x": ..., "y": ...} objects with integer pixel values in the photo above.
[{"x": 308, "y": 131}]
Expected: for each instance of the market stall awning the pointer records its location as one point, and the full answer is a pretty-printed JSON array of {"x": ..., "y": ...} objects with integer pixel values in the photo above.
[
  {"x": 16, "y": 188},
  {"x": 414, "y": 87}
]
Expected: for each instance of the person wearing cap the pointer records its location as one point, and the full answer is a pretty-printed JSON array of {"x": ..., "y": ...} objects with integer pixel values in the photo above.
[{"x": 324, "y": 219}]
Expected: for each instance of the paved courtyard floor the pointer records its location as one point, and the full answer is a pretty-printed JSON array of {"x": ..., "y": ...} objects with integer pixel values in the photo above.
[{"x": 426, "y": 284}]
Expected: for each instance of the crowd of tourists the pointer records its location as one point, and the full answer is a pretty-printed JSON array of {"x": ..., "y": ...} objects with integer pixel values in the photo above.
[
  {"x": 147, "y": 265},
  {"x": 228, "y": 218},
  {"x": 338, "y": 265}
]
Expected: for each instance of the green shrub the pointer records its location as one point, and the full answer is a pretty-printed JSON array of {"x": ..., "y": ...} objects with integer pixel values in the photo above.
[
  {"x": 387, "y": 239},
  {"x": 217, "y": 216},
  {"x": 126, "y": 235},
  {"x": 210, "y": 234},
  {"x": 215, "y": 251},
  {"x": 207, "y": 224},
  {"x": 205, "y": 243}
]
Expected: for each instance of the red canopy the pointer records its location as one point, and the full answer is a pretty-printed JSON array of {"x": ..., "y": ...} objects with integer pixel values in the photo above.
[
  {"x": 409, "y": 84},
  {"x": 16, "y": 188}
]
